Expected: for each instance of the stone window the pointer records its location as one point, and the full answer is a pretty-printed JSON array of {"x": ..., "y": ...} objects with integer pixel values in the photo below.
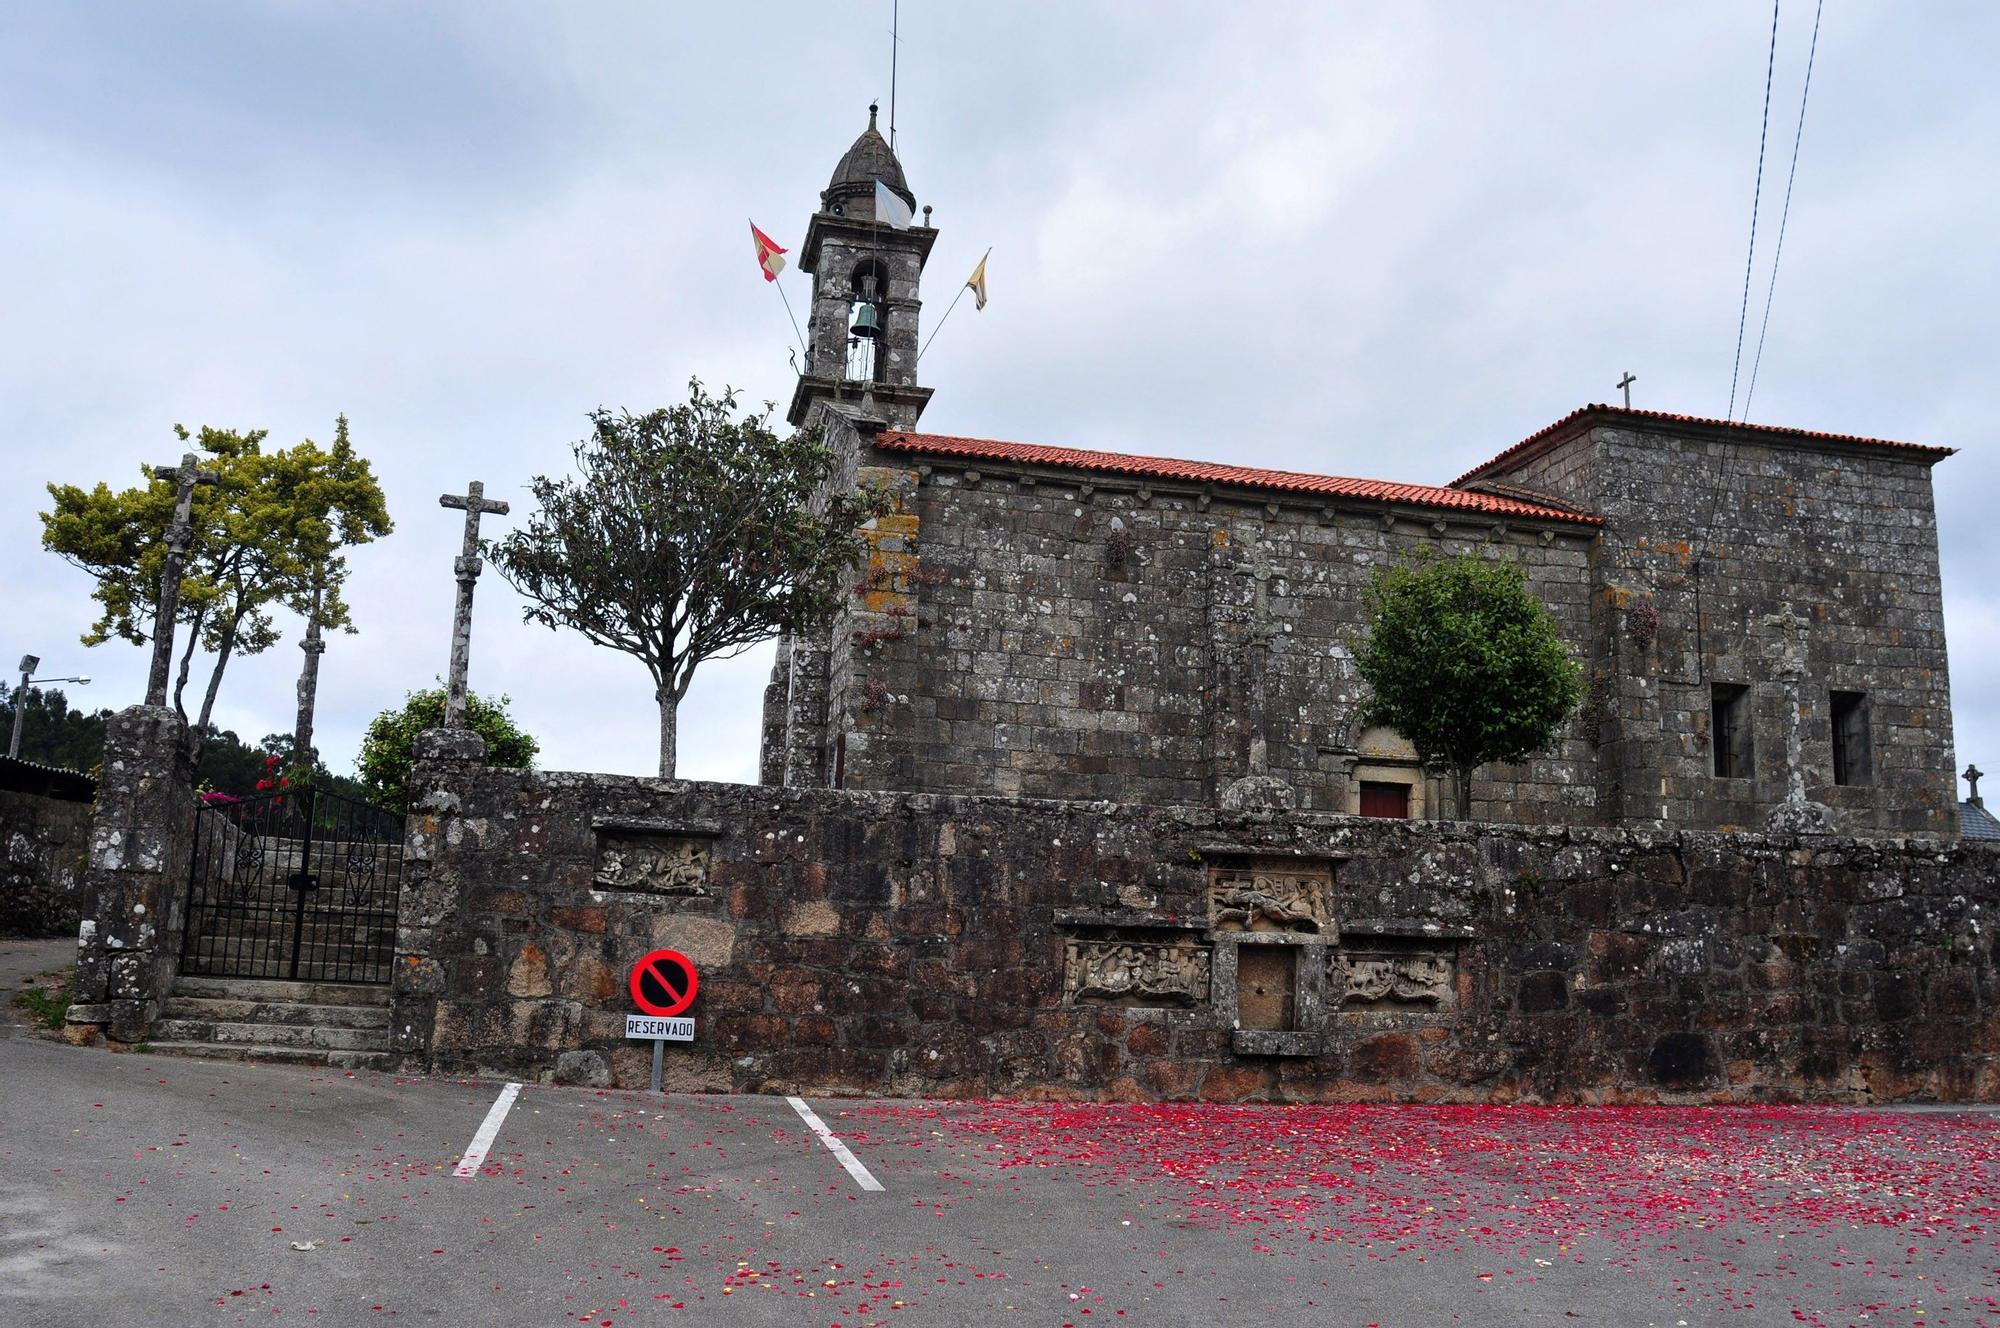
[
  {"x": 1852, "y": 763},
  {"x": 1729, "y": 730},
  {"x": 1380, "y": 799}
]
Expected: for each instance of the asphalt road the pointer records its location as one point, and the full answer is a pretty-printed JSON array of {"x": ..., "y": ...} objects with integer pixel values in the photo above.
[{"x": 144, "y": 1190}]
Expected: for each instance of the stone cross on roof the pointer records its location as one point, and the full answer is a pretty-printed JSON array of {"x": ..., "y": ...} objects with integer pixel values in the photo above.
[
  {"x": 180, "y": 534},
  {"x": 475, "y": 504}
]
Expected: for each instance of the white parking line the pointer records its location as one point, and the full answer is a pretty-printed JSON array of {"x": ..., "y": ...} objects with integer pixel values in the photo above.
[
  {"x": 475, "y": 1153},
  {"x": 834, "y": 1146}
]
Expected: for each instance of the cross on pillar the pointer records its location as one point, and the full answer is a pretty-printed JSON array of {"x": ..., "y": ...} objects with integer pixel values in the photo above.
[
  {"x": 1973, "y": 774},
  {"x": 1792, "y": 634},
  {"x": 179, "y": 535},
  {"x": 1259, "y": 572},
  {"x": 474, "y": 503},
  {"x": 1626, "y": 383}
]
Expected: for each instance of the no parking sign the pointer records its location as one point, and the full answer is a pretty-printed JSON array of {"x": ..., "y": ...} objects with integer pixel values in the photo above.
[{"x": 662, "y": 984}]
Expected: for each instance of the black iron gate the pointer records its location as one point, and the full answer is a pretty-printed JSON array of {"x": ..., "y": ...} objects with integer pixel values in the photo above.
[{"x": 295, "y": 884}]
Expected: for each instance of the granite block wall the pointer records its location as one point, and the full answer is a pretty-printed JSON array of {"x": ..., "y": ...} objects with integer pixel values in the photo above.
[
  {"x": 1052, "y": 634},
  {"x": 44, "y": 844},
  {"x": 927, "y": 945},
  {"x": 1793, "y": 570}
]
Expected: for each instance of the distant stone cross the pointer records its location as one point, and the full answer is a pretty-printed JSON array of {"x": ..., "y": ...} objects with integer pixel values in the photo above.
[
  {"x": 179, "y": 535},
  {"x": 1626, "y": 383},
  {"x": 474, "y": 503},
  {"x": 1973, "y": 774}
]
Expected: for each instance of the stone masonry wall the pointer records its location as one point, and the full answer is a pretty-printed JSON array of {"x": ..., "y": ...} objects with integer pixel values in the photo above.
[
  {"x": 954, "y": 946},
  {"x": 1071, "y": 636},
  {"x": 43, "y": 849},
  {"x": 1793, "y": 570}
]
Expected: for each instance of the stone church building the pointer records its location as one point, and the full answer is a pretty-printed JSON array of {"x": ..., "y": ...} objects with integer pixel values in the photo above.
[{"x": 1757, "y": 607}]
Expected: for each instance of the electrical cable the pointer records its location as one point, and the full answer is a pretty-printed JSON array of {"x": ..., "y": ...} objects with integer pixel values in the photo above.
[
  {"x": 1778, "y": 253},
  {"x": 1756, "y": 196}
]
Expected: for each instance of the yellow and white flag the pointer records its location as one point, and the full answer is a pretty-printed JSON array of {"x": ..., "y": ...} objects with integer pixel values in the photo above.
[{"x": 977, "y": 281}]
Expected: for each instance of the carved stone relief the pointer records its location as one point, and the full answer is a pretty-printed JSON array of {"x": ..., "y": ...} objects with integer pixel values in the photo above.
[
  {"x": 657, "y": 864},
  {"x": 1271, "y": 894},
  {"x": 1113, "y": 971},
  {"x": 1398, "y": 978}
]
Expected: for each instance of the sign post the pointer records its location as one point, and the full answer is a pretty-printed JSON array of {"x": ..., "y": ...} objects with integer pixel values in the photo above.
[{"x": 663, "y": 984}]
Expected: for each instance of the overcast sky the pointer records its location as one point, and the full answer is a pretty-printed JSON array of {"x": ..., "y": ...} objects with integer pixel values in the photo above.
[{"x": 1383, "y": 240}]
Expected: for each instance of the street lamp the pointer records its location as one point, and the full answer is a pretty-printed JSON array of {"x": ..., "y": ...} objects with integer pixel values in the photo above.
[{"x": 29, "y": 663}]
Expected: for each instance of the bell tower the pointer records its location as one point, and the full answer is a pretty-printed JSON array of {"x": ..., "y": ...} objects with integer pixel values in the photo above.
[{"x": 862, "y": 331}]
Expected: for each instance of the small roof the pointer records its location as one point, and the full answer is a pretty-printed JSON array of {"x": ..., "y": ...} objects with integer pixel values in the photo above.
[
  {"x": 1774, "y": 432},
  {"x": 1975, "y": 822},
  {"x": 1205, "y": 472},
  {"x": 46, "y": 781},
  {"x": 869, "y": 160}
]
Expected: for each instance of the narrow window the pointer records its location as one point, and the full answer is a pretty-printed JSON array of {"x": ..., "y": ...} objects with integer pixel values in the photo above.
[
  {"x": 1392, "y": 800},
  {"x": 1729, "y": 730},
  {"x": 1851, "y": 756},
  {"x": 840, "y": 760}
]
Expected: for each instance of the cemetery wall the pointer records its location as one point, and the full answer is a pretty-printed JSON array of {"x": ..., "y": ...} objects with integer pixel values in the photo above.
[
  {"x": 920, "y": 944},
  {"x": 43, "y": 849}
]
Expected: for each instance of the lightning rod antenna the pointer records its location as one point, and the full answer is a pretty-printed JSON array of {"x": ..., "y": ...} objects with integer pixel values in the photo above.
[{"x": 895, "y": 16}]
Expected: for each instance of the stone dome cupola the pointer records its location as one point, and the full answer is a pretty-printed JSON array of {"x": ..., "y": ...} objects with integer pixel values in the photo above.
[{"x": 851, "y": 192}]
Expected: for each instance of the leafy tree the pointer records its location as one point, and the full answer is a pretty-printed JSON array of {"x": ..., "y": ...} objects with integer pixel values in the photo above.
[
  {"x": 388, "y": 748},
  {"x": 258, "y": 535},
  {"x": 1465, "y": 663},
  {"x": 53, "y": 734},
  {"x": 687, "y": 535}
]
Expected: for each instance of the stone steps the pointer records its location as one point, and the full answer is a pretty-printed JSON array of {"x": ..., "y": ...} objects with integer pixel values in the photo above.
[
  {"x": 341, "y": 1025},
  {"x": 291, "y": 993},
  {"x": 239, "y": 1010},
  {"x": 273, "y": 1035},
  {"x": 251, "y": 1051}
]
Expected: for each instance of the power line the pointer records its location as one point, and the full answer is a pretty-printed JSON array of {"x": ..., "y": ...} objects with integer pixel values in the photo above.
[
  {"x": 1756, "y": 196},
  {"x": 1784, "y": 215}
]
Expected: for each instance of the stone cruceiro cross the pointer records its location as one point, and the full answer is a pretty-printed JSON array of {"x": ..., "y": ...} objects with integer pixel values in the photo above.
[
  {"x": 475, "y": 504},
  {"x": 179, "y": 535}
]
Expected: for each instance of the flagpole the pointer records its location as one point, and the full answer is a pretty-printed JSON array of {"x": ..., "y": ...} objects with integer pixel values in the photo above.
[
  {"x": 947, "y": 313},
  {"x": 788, "y": 304},
  {"x": 795, "y": 320}
]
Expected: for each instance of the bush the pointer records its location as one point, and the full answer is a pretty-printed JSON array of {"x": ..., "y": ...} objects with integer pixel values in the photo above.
[{"x": 388, "y": 749}]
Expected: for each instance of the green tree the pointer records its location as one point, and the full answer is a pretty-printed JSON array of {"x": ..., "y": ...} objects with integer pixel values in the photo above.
[
  {"x": 1465, "y": 663},
  {"x": 688, "y": 534},
  {"x": 53, "y": 733},
  {"x": 388, "y": 748},
  {"x": 258, "y": 535}
]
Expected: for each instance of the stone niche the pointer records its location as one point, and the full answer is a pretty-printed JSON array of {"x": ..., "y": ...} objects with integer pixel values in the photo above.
[
  {"x": 1270, "y": 894},
  {"x": 1136, "y": 960},
  {"x": 653, "y": 857},
  {"x": 1394, "y": 968}
]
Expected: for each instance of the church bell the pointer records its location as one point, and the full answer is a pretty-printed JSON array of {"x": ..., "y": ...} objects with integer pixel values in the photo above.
[{"x": 867, "y": 323}]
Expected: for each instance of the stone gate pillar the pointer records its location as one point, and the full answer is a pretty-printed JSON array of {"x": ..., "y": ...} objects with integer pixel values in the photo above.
[
  {"x": 135, "y": 888},
  {"x": 447, "y": 759}
]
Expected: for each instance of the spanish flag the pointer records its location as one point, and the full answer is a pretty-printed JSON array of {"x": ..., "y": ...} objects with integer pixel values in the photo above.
[
  {"x": 977, "y": 281},
  {"x": 767, "y": 253}
]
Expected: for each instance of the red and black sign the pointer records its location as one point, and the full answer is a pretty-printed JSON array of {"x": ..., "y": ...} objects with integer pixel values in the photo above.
[{"x": 663, "y": 983}]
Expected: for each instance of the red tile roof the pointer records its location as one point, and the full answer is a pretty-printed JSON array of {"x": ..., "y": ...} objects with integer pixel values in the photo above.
[
  {"x": 1616, "y": 414},
  {"x": 1203, "y": 472}
]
